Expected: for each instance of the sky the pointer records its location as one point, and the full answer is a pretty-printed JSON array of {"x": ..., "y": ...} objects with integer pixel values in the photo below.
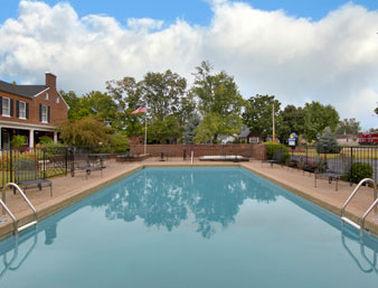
[{"x": 324, "y": 50}]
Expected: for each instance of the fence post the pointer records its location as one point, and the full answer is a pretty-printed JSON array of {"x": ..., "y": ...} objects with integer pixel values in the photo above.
[
  {"x": 44, "y": 163},
  {"x": 351, "y": 164},
  {"x": 72, "y": 152},
  {"x": 306, "y": 154},
  {"x": 66, "y": 160},
  {"x": 11, "y": 164}
]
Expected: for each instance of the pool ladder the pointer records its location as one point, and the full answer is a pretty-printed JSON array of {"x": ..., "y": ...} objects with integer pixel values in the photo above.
[
  {"x": 367, "y": 212},
  {"x": 12, "y": 216}
]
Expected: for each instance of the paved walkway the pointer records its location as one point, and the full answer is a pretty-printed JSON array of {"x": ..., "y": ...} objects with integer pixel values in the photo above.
[{"x": 67, "y": 190}]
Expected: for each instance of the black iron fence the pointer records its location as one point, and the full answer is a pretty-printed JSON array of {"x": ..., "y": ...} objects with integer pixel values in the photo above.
[
  {"x": 38, "y": 163},
  {"x": 342, "y": 163}
]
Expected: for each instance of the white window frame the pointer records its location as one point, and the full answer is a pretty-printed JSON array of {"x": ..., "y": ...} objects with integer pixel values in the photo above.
[
  {"x": 44, "y": 114},
  {"x": 6, "y": 113},
  {"x": 22, "y": 112}
]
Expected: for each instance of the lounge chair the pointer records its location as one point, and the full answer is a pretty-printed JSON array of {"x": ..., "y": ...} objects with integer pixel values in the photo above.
[
  {"x": 233, "y": 158},
  {"x": 27, "y": 175},
  {"x": 131, "y": 157}
]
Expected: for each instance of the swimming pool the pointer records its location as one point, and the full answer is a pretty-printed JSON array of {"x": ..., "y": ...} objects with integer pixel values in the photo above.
[{"x": 190, "y": 227}]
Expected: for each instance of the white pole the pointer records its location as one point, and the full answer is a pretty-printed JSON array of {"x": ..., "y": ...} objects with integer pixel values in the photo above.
[{"x": 145, "y": 134}]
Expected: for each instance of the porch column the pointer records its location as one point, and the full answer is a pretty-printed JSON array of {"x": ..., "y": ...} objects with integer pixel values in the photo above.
[
  {"x": 31, "y": 138},
  {"x": 55, "y": 137}
]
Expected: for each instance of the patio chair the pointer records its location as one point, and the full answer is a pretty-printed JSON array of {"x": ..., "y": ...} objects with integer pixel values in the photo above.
[
  {"x": 86, "y": 165},
  {"x": 27, "y": 175},
  {"x": 322, "y": 171},
  {"x": 278, "y": 157}
]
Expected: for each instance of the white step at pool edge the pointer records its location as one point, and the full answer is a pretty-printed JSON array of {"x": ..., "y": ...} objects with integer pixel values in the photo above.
[
  {"x": 350, "y": 222},
  {"x": 26, "y": 226}
]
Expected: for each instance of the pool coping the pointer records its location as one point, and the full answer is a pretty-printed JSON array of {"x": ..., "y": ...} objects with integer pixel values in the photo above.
[{"x": 44, "y": 212}]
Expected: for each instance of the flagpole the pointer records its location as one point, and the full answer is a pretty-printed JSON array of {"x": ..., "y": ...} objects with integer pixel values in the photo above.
[{"x": 145, "y": 133}]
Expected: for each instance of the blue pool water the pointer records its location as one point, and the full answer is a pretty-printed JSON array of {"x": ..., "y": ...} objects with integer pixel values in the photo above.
[{"x": 190, "y": 227}]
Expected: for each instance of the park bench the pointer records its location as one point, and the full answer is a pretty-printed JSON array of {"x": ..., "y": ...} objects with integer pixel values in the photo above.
[{"x": 27, "y": 175}]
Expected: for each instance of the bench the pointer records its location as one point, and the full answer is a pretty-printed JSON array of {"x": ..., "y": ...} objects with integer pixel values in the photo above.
[{"x": 27, "y": 176}]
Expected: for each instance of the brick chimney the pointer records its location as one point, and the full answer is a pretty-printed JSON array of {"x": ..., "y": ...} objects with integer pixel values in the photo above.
[{"x": 51, "y": 80}]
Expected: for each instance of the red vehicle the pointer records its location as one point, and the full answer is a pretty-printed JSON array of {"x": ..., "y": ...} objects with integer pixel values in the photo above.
[{"x": 368, "y": 138}]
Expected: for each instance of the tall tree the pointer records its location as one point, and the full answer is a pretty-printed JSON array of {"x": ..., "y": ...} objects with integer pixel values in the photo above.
[
  {"x": 126, "y": 95},
  {"x": 348, "y": 126},
  {"x": 292, "y": 120},
  {"x": 218, "y": 98},
  {"x": 164, "y": 94},
  {"x": 95, "y": 103},
  {"x": 317, "y": 118},
  {"x": 258, "y": 115}
]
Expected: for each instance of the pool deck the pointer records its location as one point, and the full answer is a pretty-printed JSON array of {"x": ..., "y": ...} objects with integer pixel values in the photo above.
[{"x": 68, "y": 190}]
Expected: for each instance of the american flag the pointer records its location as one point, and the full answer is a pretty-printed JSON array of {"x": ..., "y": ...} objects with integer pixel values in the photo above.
[{"x": 139, "y": 110}]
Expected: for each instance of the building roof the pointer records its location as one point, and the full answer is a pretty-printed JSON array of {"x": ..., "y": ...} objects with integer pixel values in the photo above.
[{"x": 22, "y": 90}]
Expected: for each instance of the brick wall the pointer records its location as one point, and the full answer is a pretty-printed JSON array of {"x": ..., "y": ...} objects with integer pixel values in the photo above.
[{"x": 256, "y": 151}]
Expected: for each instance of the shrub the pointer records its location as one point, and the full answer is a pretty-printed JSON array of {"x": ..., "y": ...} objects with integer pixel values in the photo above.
[
  {"x": 18, "y": 141},
  {"x": 327, "y": 142},
  {"x": 87, "y": 133},
  {"x": 276, "y": 151},
  {"x": 359, "y": 171},
  {"x": 46, "y": 140},
  {"x": 119, "y": 143}
]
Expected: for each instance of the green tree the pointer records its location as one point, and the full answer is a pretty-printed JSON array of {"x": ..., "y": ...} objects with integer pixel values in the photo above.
[
  {"x": 292, "y": 120},
  {"x": 87, "y": 132},
  {"x": 376, "y": 110},
  {"x": 218, "y": 99},
  {"x": 327, "y": 142},
  {"x": 317, "y": 118},
  {"x": 165, "y": 131},
  {"x": 215, "y": 124},
  {"x": 258, "y": 114},
  {"x": 164, "y": 94},
  {"x": 95, "y": 103},
  {"x": 348, "y": 126},
  {"x": 73, "y": 101},
  {"x": 126, "y": 94}
]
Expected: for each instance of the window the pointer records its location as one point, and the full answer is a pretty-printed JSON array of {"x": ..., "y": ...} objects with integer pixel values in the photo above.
[
  {"x": 6, "y": 107},
  {"x": 44, "y": 114},
  {"x": 57, "y": 100},
  {"x": 47, "y": 96},
  {"x": 22, "y": 110}
]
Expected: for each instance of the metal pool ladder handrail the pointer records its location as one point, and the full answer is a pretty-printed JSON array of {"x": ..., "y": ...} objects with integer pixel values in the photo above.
[
  {"x": 11, "y": 215},
  {"x": 19, "y": 229},
  {"x": 351, "y": 196}
]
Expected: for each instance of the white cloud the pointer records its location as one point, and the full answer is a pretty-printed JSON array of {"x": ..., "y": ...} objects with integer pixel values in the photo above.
[{"x": 334, "y": 60}]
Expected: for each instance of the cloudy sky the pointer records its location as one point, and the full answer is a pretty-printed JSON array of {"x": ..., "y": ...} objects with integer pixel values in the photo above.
[{"x": 324, "y": 50}]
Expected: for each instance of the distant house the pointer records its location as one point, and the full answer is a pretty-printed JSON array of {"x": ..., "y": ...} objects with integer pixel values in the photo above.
[
  {"x": 31, "y": 110},
  {"x": 246, "y": 136},
  {"x": 347, "y": 139}
]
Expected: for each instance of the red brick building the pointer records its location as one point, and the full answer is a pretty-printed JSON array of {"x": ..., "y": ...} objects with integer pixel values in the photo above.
[{"x": 31, "y": 110}]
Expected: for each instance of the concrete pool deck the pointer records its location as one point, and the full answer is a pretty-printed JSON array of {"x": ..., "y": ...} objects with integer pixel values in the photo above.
[{"x": 68, "y": 190}]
